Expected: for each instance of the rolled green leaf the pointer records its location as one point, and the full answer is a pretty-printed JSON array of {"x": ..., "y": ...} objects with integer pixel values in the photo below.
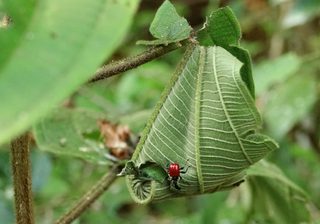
[{"x": 206, "y": 120}]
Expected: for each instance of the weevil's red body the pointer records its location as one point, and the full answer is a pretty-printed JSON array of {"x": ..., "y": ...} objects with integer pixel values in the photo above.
[{"x": 174, "y": 170}]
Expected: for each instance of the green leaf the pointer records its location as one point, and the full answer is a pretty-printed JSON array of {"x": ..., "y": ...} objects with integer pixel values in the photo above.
[
  {"x": 223, "y": 29},
  {"x": 71, "y": 133},
  {"x": 246, "y": 70},
  {"x": 206, "y": 119},
  {"x": 167, "y": 26},
  {"x": 275, "y": 196},
  {"x": 289, "y": 103},
  {"x": 51, "y": 53},
  {"x": 275, "y": 71}
]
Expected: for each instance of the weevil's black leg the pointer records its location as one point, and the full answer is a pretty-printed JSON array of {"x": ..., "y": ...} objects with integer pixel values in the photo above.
[
  {"x": 184, "y": 171},
  {"x": 238, "y": 183},
  {"x": 175, "y": 184}
]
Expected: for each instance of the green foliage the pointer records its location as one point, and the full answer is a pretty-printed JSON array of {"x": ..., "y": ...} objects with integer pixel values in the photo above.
[
  {"x": 289, "y": 103},
  {"x": 222, "y": 28},
  {"x": 207, "y": 117},
  {"x": 6, "y": 212},
  {"x": 167, "y": 26},
  {"x": 72, "y": 132},
  {"x": 286, "y": 67},
  {"x": 275, "y": 196},
  {"x": 275, "y": 71},
  {"x": 56, "y": 48}
]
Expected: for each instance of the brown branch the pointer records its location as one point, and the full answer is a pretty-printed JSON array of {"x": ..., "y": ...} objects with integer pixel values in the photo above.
[
  {"x": 22, "y": 179},
  {"x": 91, "y": 196},
  {"x": 126, "y": 64}
]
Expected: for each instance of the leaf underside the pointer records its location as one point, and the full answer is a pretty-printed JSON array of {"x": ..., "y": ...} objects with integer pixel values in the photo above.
[
  {"x": 72, "y": 132},
  {"x": 206, "y": 120}
]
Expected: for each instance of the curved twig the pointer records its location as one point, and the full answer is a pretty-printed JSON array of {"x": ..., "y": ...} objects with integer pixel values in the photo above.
[
  {"x": 91, "y": 196},
  {"x": 126, "y": 64}
]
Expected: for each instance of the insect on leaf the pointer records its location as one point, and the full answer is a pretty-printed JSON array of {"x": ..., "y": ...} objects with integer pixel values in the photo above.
[{"x": 206, "y": 119}]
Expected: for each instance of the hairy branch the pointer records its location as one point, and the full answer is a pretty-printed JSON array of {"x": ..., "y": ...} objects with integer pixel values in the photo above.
[
  {"x": 126, "y": 64},
  {"x": 91, "y": 196},
  {"x": 22, "y": 179}
]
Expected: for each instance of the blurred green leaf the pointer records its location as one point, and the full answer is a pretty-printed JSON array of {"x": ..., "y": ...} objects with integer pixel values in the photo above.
[
  {"x": 6, "y": 211},
  {"x": 212, "y": 206},
  {"x": 274, "y": 71},
  {"x": 167, "y": 26},
  {"x": 289, "y": 103},
  {"x": 136, "y": 120},
  {"x": 131, "y": 90},
  {"x": 51, "y": 54},
  {"x": 275, "y": 197},
  {"x": 73, "y": 133},
  {"x": 41, "y": 170},
  {"x": 55, "y": 186}
]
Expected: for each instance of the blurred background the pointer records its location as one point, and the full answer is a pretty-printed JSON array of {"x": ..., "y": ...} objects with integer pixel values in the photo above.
[{"x": 283, "y": 37}]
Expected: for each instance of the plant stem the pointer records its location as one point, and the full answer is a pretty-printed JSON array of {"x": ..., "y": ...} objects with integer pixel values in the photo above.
[
  {"x": 126, "y": 64},
  {"x": 22, "y": 179},
  {"x": 91, "y": 196}
]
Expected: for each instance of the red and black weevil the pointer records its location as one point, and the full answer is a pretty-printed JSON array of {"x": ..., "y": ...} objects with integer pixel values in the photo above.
[{"x": 174, "y": 171}]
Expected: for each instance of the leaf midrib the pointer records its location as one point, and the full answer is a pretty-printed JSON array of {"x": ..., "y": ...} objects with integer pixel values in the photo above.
[
  {"x": 223, "y": 103},
  {"x": 197, "y": 117}
]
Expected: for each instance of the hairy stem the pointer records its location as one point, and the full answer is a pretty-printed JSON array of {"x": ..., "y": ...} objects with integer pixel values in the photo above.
[
  {"x": 126, "y": 64},
  {"x": 22, "y": 179},
  {"x": 91, "y": 196}
]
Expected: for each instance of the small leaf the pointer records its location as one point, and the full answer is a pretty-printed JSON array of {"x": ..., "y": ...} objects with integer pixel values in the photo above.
[
  {"x": 275, "y": 196},
  {"x": 167, "y": 26},
  {"x": 289, "y": 103},
  {"x": 51, "y": 48},
  {"x": 207, "y": 117},
  {"x": 64, "y": 133},
  {"x": 222, "y": 27}
]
